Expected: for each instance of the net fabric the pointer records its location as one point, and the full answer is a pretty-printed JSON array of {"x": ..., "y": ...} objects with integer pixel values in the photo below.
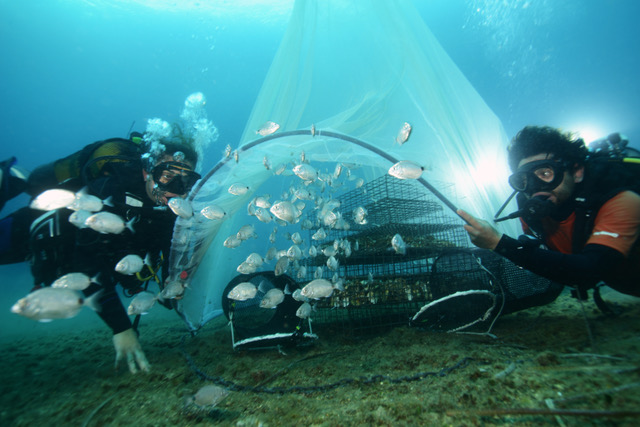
[{"x": 360, "y": 69}]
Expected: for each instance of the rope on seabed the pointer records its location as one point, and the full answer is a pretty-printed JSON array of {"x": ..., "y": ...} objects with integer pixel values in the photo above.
[{"x": 373, "y": 379}]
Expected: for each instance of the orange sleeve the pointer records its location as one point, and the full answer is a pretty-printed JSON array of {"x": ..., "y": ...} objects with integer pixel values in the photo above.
[{"x": 617, "y": 224}]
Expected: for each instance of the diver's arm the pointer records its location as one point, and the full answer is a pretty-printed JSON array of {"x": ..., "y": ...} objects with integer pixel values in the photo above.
[{"x": 586, "y": 269}]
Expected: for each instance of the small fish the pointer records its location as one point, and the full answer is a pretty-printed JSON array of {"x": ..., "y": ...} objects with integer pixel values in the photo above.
[
  {"x": 337, "y": 171},
  {"x": 263, "y": 215},
  {"x": 79, "y": 218},
  {"x": 87, "y": 202},
  {"x": 271, "y": 253},
  {"x": 238, "y": 189},
  {"x": 403, "y": 133},
  {"x": 318, "y": 273},
  {"x": 285, "y": 211},
  {"x": 227, "y": 151},
  {"x": 297, "y": 295},
  {"x": 294, "y": 252},
  {"x": 246, "y": 268},
  {"x": 306, "y": 172},
  {"x": 232, "y": 242},
  {"x": 332, "y": 263},
  {"x": 262, "y": 201},
  {"x": 49, "y": 303},
  {"x": 406, "y": 169},
  {"x": 107, "y": 222},
  {"x": 304, "y": 311},
  {"x": 272, "y": 298},
  {"x": 254, "y": 259},
  {"x": 306, "y": 224},
  {"x": 268, "y": 128},
  {"x": 75, "y": 281},
  {"x": 296, "y": 238},
  {"x": 398, "y": 245},
  {"x": 246, "y": 232},
  {"x": 53, "y": 199},
  {"x": 181, "y": 207},
  {"x": 132, "y": 264},
  {"x": 243, "y": 291},
  {"x": 173, "y": 289},
  {"x": 318, "y": 288},
  {"x": 236, "y": 156},
  {"x": 279, "y": 170},
  {"x": 302, "y": 273},
  {"x": 319, "y": 235},
  {"x": 213, "y": 212},
  {"x": 360, "y": 215},
  {"x": 272, "y": 236},
  {"x": 209, "y": 396},
  {"x": 313, "y": 251},
  {"x": 359, "y": 182},
  {"x": 282, "y": 265},
  {"x": 141, "y": 303},
  {"x": 266, "y": 163}
]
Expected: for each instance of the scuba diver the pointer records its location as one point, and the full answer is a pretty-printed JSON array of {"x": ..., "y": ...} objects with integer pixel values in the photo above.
[
  {"x": 584, "y": 206},
  {"x": 137, "y": 176}
]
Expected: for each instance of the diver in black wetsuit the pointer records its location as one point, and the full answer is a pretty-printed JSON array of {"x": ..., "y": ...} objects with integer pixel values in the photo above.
[{"x": 140, "y": 183}]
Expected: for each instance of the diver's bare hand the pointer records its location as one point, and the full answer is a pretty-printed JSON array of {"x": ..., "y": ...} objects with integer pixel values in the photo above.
[
  {"x": 482, "y": 234},
  {"x": 127, "y": 346}
]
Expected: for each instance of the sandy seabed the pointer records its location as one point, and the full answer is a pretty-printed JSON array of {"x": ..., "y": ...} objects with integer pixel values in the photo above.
[{"x": 542, "y": 369}]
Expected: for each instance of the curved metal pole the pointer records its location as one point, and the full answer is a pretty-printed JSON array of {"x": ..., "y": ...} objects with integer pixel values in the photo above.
[{"x": 329, "y": 134}]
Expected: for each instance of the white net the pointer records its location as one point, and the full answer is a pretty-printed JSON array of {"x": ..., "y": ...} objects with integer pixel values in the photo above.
[{"x": 359, "y": 69}]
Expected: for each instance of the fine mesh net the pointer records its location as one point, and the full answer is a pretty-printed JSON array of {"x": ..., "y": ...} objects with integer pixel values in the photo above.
[{"x": 356, "y": 71}]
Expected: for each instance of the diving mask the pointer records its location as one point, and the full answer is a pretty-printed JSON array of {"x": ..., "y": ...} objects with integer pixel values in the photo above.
[
  {"x": 174, "y": 177},
  {"x": 538, "y": 176}
]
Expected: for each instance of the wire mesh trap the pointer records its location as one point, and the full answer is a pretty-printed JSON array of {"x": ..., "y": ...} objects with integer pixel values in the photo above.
[{"x": 462, "y": 286}]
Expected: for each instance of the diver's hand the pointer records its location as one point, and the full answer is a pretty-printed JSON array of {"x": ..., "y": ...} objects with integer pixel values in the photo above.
[
  {"x": 482, "y": 234},
  {"x": 127, "y": 345}
]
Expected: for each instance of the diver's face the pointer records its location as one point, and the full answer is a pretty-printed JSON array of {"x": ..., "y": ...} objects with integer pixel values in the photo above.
[
  {"x": 157, "y": 182},
  {"x": 564, "y": 190}
]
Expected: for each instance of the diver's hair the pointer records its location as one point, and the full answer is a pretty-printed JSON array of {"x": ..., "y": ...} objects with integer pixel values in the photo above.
[
  {"x": 533, "y": 140},
  {"x": 180, "y": 141}
]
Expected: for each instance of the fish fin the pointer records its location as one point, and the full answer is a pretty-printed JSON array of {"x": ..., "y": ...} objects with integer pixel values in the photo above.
[
  {"x": 129, "y": 224},
  {"x": 45, "y": 320},
  {"x": 96, "y": 279},
  {"x": 262, "y": 287},
  {"x": 287, "y": 291},
  {"x": 108, "y": 201},
  {"x": 92, "y": 301}
]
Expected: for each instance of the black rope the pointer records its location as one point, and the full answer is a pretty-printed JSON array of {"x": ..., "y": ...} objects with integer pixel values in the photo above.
[{"x": 365, "y": 380}]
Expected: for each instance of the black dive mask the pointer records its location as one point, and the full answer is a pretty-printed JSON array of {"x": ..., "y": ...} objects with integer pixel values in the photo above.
[
  {"x": 537, "y": 176},
  {"x": 174, "y": 177}
]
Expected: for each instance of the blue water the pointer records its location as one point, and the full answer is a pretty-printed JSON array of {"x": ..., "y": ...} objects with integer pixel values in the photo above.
[{"x": 74, "y": 71}]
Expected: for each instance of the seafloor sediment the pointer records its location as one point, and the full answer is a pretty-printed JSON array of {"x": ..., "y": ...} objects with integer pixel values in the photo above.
[{"x": 543, "y": 360}]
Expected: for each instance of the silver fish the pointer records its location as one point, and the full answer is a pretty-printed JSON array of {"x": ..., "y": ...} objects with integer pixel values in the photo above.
[
  {"x": 213, "y": 212},
  {"x": 294, "y": 252},
  {"x": 246, "y": 268},
  {"x": 360, "y": 215},
  {"x": 272, "y": 298},
  {"x": 403, "y": 133},
  {"x": 266, "y": 163},
  {"x": 180, "y": 207},
  {"x": 49, "y": 303},
  {"x": 296, "y": 238},
  {"x": 75, "y": 281},
  {"x": 304, "y": 311},
  {"x": 318, "y": 288},
  {"x": 227, "y": 151},
  {"x": 53, "y": 199},
  {"x": 238, "y": 189},
  {"x": 209, "y": 396},
  {"x": 271, "y": 253},
  {"x": 302, "y": 273},
  {"x": 232, "y": 242},
  {"x": 173, "y": 289},
  {"x": 318, "y": 273},
  {"x": 406, "y": 169},
  {"x": 262, "y": 202},
  {"x": 313, "y": 251},
  {"x": 297, "y": 295},
  {"x": 313, "y": 129},
  {"x": 319, "y": 235},
  {"x": 254, "y": 259},
  {"x": 141, "y": 303},
  {"x": 107, "y": 222},
  {"x": 332, "y": 263},
  {"x": 398, "y": 245},
  {"x": 281, "y": 266},
  {"x": 246, "y": 232},
  {"x": 306, "y": 172},
  {"x": 131, "y": 264},
  {"x": 285, "y": 211},
  {"x": 263, "y": 215},
  {"x": 79, "y": 218},
  {"x": 268, "y": 128},
  {"x": 87, "y": 202},
  {"x": 243, "y": 291}
]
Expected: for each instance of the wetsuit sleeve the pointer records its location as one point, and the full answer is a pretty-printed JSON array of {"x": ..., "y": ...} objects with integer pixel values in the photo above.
[{"x": 586, "y": 269}]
